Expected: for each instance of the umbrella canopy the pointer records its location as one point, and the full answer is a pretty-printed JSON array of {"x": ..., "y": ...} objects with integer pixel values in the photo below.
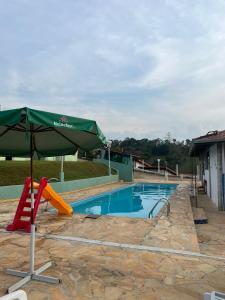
[{"x": 53, "y": 134}]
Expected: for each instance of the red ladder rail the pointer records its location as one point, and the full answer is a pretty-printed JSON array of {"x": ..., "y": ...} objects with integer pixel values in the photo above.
[{"x": 24, "y": 207}]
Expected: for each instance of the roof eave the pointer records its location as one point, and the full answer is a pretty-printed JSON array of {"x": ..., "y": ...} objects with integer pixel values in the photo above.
[{"x": 198, "y": 146}]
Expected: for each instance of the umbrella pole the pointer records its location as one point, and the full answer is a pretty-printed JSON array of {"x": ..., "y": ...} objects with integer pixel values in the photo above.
[
  {"x": 32, "y": 274},
  {"x": 32, "y": 234}
]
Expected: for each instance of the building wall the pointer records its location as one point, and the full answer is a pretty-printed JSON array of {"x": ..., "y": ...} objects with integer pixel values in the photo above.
[
  {"x": 223, "y": 158},
  {"x": 219, "y": 175},
  {"x": 125, "y": 169},
  {"x": 212, "y": 162},
  {"x": 66, "y": 157},
  {"x": 213, "y": 174},
  {"x": 138, "y": 164},
  {"x": 206, "y": 178},
  {"x": 14, "y": 191},
  {"x": 223, "y": 178},
  {"x": 54, "y": 158}
]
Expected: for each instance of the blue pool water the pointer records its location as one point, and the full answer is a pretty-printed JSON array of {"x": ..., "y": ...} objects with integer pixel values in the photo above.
[{"x": 134, "y": 201}]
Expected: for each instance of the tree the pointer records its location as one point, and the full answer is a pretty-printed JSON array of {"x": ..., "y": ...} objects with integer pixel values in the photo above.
[
  {"x": 168, "y": 149},
  {"x": 168, "y": 137}
]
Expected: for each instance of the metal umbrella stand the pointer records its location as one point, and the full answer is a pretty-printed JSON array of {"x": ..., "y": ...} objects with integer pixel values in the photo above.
[
  {"x": 50, "y": 135},
  {"x": 31, "y": 274}
]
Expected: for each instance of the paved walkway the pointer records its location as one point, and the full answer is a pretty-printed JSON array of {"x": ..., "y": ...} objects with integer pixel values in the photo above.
[
  {"x": 211, "y": 236},
  {"x": 98, "y": 272},
  {"x": 178, "y": 230}
]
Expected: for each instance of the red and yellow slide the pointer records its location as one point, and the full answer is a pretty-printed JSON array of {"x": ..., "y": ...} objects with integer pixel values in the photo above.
[{"x": 55, "y": 199}]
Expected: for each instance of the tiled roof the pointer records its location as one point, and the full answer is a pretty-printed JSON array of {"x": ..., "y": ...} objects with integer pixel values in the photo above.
[
  {"x": 201, "y": 143},
  {"x": 210, "y": 137},
  {"x": 120, "y": 153}
]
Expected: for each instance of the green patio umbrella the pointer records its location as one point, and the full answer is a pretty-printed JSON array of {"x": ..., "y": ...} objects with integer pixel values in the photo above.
[{"x": 25, "y": 132}]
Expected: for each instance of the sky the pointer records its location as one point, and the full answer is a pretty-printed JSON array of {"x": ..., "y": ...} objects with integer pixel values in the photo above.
[{"x": 140, "y": 68}]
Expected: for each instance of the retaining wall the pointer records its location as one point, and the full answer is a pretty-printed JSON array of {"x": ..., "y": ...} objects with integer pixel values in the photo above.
[{"x": 14, "y": 191}]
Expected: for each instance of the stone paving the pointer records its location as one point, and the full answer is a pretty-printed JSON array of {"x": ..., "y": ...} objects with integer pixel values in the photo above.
[
  {"x": 104, "y": 272},
  {"x": 176, "y": 231},
  {"x": 96, "y": 272},
  {"x": 211, "y": 236}
]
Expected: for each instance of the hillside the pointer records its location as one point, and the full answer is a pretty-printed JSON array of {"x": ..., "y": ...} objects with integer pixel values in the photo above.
[
  {"x": 14, "y": 172},
  {"x": 170, "y": 151}
]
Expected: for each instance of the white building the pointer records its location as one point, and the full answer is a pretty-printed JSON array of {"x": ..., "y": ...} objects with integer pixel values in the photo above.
[
  {"x": 155, "y": 169},
  {"x": 66, "y": 157},
  {"x": 210, "y": 149},
  {"x": 54, "y": 158}
]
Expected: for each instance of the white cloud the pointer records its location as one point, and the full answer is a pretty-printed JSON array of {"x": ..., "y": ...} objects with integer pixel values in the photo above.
[{"x": 140, "y": 68}]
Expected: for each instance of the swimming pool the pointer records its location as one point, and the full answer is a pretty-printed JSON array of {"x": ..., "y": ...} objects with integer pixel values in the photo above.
[{"x": 134, "y": 201}]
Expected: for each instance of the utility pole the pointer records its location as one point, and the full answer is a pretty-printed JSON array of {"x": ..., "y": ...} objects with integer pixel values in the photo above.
[
  {"x": 166, "y": 173},
  {"x": 158, "y": 160},
  {"x": 109, "y": 144},
  {"x": 177, "y": 170}
]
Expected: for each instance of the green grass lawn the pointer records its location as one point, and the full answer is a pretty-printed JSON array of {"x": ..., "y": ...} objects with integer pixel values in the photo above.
[{"x": 15, "y": 172}]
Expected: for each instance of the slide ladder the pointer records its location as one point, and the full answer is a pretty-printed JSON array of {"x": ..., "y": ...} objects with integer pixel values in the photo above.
[{"x": 24, "y": 207}]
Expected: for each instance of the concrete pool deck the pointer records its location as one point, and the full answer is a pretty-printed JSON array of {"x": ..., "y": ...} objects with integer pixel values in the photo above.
[{"x": 99, "y": 271}]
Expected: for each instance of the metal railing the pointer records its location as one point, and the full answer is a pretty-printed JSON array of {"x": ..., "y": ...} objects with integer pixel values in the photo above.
[
  {"x": 163, "y": 199},
  {"x": 53, "y": 179}
]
